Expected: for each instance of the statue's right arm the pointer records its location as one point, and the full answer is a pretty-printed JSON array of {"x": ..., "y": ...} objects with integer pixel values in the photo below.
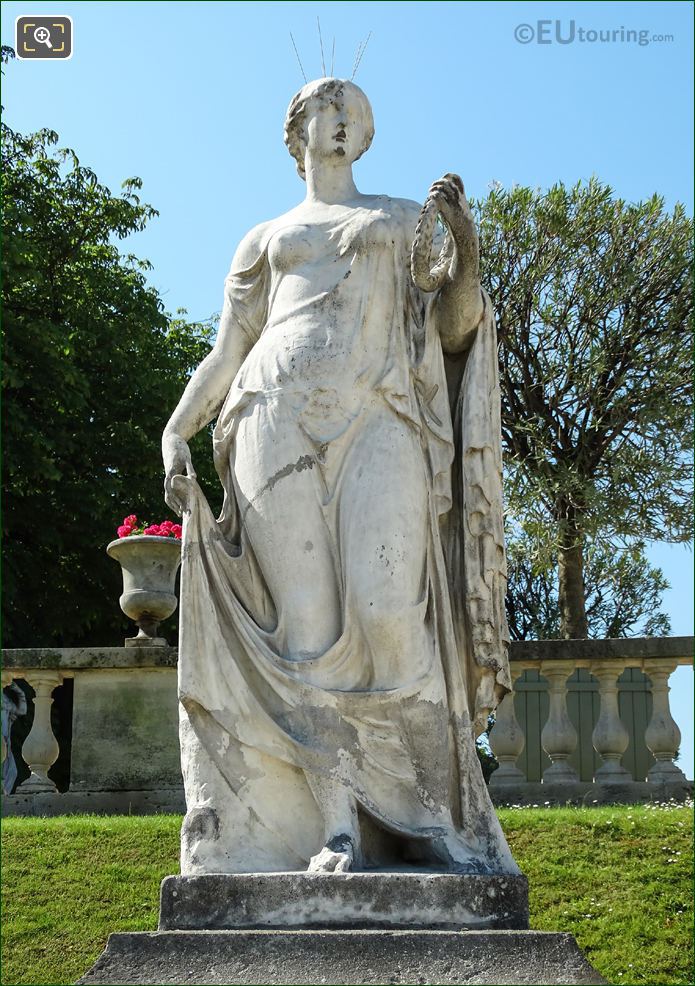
[{"x": 210, "y": 383}]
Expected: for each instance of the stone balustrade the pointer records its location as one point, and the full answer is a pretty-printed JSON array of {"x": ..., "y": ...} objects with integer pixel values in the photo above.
[
  {"x": 610, "y": 696},
  {"x": 588, "y": 721},
  {"x": 122, "y": 730}
]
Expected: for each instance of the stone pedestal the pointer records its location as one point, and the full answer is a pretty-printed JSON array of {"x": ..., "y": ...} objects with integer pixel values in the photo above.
[
  {"x": 343, "y": 900},
  {"x": 342, "y": 958},
  {"x": 352, "y": 928}
]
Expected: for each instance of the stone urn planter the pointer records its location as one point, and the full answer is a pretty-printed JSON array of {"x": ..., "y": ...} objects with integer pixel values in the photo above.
[{"x": 149, "y": 565}]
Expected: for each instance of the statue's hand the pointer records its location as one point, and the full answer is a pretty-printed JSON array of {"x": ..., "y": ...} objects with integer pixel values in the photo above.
[
  {"x": 450, "y": 198},
  {"x": 458, "y": 258},
  {"x": 177, "y": 462}
]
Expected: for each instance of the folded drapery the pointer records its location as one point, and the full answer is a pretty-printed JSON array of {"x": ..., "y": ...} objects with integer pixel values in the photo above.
[{"x": 390, "y": 707}]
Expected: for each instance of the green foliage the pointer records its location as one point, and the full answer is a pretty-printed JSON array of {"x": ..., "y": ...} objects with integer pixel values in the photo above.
[
  {"x": 593, "y": 298},
  {"x": 93, "y": 368},
  {"x": 623, "y": 592},
  {"x": 618, "y": 878},
  {"x": 488, "y": 761}
]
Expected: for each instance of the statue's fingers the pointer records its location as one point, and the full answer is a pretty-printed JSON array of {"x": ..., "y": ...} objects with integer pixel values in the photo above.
[
  {"x": 450, "y": 181},
  {"x": 447, "y": 191},
  {"x": 440, "y": 184},
  {"x": 173, "y": 504},
  {"x": 182, "y": 491},
  {"x": 439, "y": 196},
  {"x": 453, "y": 191},
  {"x": 342, "y": 866},
  {"x": 171, "y": 498},
  {"x": 456, "y": 181}
]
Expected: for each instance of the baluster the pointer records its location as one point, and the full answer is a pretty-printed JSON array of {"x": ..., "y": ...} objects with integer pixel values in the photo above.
[
  {"x": 40, "y": 750},
  {"x": 507, "y": 739},
  {"x": 610, "y": 737},
  {"x": 559, "y": 737},
  {"x": 662, "y": 735}
]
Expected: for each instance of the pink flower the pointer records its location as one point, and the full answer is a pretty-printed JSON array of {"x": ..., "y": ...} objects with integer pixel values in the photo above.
[
  {"x": 131, "y": 526},
  {"x": 128, "y": 526}
]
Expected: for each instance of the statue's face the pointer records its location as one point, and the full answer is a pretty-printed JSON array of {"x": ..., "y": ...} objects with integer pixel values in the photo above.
[{"x": 335, "y": 124}]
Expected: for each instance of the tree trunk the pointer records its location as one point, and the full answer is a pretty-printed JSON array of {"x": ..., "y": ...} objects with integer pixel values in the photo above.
[{"x": 573, "y": 622}]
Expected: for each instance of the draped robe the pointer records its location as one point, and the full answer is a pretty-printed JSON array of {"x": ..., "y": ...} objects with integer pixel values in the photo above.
[{"x": 390, "y": 714}]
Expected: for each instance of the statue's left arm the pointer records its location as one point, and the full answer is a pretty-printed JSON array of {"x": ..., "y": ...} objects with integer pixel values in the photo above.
[
  {"x": 458, "y": 305},
  {"x": 463, "y": 318}
]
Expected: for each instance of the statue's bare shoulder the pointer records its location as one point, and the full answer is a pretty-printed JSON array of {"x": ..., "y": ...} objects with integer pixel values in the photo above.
[
  {"x": 406, "y": 209},
  {"x": 256, "y": 240},
  {"x": 405, "y": 212},
  {"x": 252, "y": 245}
]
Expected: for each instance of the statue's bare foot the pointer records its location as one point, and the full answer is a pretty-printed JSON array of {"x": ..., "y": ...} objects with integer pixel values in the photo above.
[{"x": 337, "y": 856}]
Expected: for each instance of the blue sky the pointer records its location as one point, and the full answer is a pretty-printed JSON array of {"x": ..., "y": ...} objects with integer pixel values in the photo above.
[{"x": 191, "y": 97}]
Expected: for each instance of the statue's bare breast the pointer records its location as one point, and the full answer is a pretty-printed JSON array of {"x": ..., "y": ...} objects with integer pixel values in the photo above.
[{"x": 319, "y": 332}]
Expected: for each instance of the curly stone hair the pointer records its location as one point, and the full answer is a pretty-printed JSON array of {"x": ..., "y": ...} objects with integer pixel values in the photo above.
[{"x": 296, "y": 117}]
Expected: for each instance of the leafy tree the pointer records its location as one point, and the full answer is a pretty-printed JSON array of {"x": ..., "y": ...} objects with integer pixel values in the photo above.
[
  {"x": 622, "y": 591},
  {"x": 593, "y": 301},
  {"x": 92, "y": 369}
]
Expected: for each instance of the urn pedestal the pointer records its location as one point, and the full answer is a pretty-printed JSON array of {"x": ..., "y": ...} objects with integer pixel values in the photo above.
[{"x": 149, "y": 564}]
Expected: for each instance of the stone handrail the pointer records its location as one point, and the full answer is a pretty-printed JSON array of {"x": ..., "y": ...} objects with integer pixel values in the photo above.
[
  {"x": 103, "y": 676},
  {"x": 67, "y": 660}
]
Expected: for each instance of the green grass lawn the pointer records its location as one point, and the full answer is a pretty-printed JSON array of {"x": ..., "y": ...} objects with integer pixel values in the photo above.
[{"x": 618, "y": 878}]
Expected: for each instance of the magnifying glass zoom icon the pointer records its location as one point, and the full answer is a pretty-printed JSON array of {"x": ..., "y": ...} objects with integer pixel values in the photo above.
[{"x": 43, "y": 36}]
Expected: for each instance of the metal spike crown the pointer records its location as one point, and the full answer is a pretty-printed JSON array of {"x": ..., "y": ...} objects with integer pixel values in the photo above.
[{"x": 361, "y": 48}]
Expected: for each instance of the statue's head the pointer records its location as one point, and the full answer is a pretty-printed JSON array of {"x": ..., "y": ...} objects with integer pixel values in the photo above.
[{"x": 330, "y": 117}]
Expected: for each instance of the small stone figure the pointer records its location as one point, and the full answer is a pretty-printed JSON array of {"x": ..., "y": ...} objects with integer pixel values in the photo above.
[
  {"x": 14, "y": 705},
  {"x": 343, "y": 636}
]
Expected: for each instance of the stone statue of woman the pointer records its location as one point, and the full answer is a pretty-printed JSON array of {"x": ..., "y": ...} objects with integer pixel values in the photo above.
[{"x": 343, "y": 636}]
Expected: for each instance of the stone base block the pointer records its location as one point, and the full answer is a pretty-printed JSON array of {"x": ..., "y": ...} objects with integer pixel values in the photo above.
[
  {"x": 145, "y": 802},
  {"x": 341, "y": 957},
  {"x": 343, "y": 900},
  {"x": 537, "y": 793}
]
